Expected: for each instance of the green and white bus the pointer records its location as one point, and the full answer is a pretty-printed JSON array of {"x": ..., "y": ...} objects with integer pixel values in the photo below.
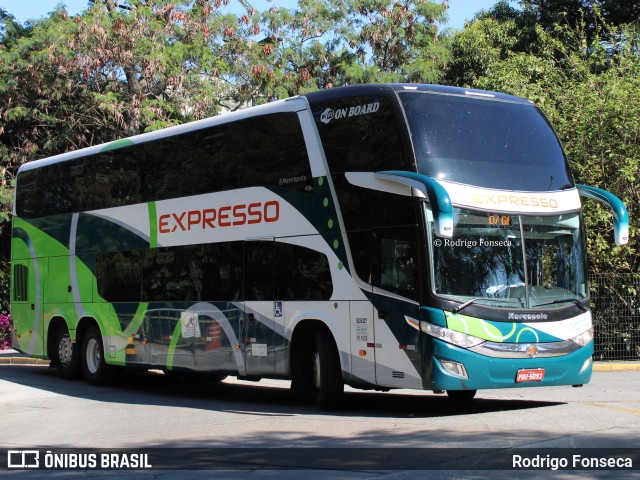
[{"x": 380, "y": 236}]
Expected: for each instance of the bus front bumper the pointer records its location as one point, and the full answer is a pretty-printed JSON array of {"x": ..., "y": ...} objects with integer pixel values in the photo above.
[{"x": 449, "y": 364}]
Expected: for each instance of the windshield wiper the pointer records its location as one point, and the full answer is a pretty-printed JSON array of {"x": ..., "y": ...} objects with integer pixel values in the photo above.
[
  {"x": 473, "y": 300},
  {"x": 564, "y": 300}
]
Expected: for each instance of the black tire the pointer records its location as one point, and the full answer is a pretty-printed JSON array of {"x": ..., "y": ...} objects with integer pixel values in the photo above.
[
  {"x": 95, "y": 369},
  {"x": 199, "y": 377},
  {"x": 327, "y": 372},
  {"x": 171, "y": 373},
  {"x": 302, "y": 377},
  {"x": 196, "y": 377},
  {"x": 66, "y": 355},
  {"x": 461, "y": 395},
  {"x": 217, "y": 378}
]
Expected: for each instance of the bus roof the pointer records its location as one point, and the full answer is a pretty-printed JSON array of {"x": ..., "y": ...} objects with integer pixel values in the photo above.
[
  {"x": 391, "y": 88},
  {"x": 290, "y": 104}
]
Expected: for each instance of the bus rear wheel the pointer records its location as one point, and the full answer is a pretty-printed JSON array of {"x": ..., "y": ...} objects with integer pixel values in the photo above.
[
  {"x": 94, "y": 366},
  {"x": 66, "y": 355},
  {"x": 326, "y": 372}
]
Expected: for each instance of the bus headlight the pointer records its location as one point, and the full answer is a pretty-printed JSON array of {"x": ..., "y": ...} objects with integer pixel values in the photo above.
[
  {"x": 583, "y": 338},
  {"x": 451, "y": 336}
]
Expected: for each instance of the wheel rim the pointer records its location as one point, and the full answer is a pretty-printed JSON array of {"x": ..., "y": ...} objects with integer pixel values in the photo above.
[
  {"x": 93, "y": 355},
  {"x": 316, "y": 370},
  {"x": 65, "y": 350}
]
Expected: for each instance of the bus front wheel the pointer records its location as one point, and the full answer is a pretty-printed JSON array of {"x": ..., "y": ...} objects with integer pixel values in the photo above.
[
  {"x": 461, "y": 395},
  {"x": 94, "y": 366},
  {"x": 66, "y": 355},
  {"x": 327, "y": 372}
]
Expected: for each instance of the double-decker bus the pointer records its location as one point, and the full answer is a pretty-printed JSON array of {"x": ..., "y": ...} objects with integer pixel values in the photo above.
[{"x": 380, "y": 236}]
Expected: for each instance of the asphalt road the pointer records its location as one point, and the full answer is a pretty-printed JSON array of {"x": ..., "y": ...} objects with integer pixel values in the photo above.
[{"x": 41, "y": 411}]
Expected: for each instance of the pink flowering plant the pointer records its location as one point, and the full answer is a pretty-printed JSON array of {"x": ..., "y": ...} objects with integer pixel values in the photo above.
[{"x": 5, "y": 331}]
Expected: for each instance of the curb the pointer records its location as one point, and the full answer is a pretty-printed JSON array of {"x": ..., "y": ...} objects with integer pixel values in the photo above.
[
  {"x": 23, "y": 361},
  {"x": 616, "y": 367},
  {"x": 597, "y": 366}
]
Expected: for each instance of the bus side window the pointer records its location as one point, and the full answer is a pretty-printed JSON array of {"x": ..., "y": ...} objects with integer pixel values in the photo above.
[
  {"x": 166, "y": 275},
  {"x": 368, "y": 142},
  {"x": 397, "y": 260},
  {"x": 258, "y": 268},
  {"x": 361, "y": 253},
  {"x": 119, "y": 276},
  {"x": 217, "y": 271},
  {"x": 302, "y": 273}
]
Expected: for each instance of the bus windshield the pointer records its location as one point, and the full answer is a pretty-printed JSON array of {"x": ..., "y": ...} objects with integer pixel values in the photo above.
[
  {"x": 511, "y": 261},
  {"x": 485, "y": 142}
]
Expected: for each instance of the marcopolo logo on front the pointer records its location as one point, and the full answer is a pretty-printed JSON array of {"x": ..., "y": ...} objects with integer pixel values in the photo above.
[
  {"x": 330, "y": 114},
  {"x": 528, "y": 316}
]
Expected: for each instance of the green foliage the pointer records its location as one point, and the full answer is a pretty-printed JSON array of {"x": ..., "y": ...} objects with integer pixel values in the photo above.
[
  {"x": 590, "y": 94},
  {"x": 112, "y": 72},
  {"x": 589, "y": 15}
]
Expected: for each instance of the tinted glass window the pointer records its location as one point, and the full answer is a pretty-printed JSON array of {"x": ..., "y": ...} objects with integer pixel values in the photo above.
[
  {"x": 259, "y": 266},
  {"x": 361, "y": 134},
  {"x": 211, "y": 272},
  {"x": 301, "y": 273},
  {"x": 215, "y": 272},
  {"x": 167, "y": 275},
  {"x": 396, "y": 265},
  {"x": 119, "y": 276},
  {"x": 268, "y": 150},
  {"x": 483, "y": 142},
  {"x": 363, "y": 210}
]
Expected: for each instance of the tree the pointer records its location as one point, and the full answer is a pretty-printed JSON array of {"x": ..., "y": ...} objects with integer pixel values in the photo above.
[
  {"x": 589, "y": 94},
  {"x": 589, "y": 15},
  {"x": 123, "y": 68},
  {"x": 325, "y": 43},
  {"x": 67, "y": 83}
]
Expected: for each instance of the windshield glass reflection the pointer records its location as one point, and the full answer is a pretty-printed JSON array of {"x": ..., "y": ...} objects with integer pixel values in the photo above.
[{"x": 511, "y": 261}]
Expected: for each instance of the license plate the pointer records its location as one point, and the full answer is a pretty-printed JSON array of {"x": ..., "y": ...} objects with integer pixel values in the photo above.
[{"x": 530, "y": 375}]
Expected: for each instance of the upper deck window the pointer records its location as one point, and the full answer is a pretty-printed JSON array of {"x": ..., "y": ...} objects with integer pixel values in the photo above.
[
  {"x": 361, "y": 134},
  {"x": 266, "y": 150},
  {"x": 485, "y": 142}
]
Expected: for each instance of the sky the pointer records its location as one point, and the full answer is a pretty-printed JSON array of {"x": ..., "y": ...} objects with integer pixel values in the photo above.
[{"x": 22, "y": 10}]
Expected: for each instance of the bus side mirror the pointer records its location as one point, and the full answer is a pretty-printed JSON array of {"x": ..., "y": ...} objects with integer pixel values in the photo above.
[
  {"x": 436, "y": 193},
  {"x": 620, "y": 214},
  {"x": 400, "y": 182}
]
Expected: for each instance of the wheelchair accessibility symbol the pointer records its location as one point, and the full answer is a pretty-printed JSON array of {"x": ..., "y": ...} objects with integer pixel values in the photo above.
[{"x": 278, "y": 310}]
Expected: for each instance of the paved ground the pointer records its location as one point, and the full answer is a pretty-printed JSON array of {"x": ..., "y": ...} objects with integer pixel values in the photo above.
[
  {"x": 13, "y": 357},
  {"x": 43, "y": 411}
]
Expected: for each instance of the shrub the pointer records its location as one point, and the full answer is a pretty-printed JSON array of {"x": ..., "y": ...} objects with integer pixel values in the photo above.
[{"x": 5, "y": 331}]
